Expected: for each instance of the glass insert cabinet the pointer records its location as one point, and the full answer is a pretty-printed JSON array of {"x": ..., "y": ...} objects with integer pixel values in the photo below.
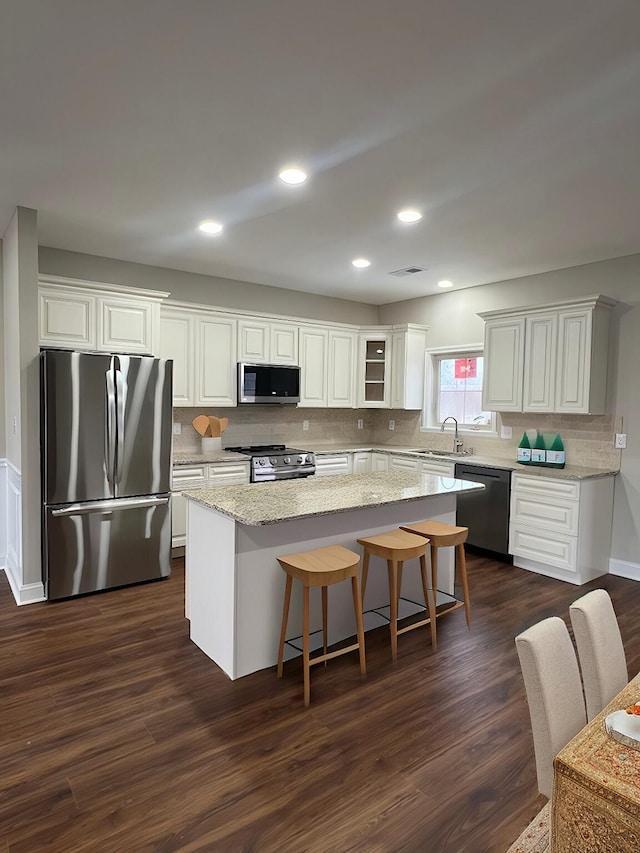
[{"x": 375, "y": 375}]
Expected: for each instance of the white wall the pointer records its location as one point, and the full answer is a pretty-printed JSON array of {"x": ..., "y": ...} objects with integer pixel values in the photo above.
[
  {"x": 22, "y": 403},
  {"x": 208, "y": 290},
  {"x": 453, "y": 320}
]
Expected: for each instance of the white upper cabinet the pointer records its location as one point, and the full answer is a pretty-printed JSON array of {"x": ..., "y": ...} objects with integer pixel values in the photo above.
[
  {"x": 374, "y": 360},
  {"x": 503, "y": 360},
  {"x": 341, "y": 369},
  {"x": 408, "y": 366},
  {"x": 314, "y": 345},
  {"x": 264, "y": 341},
  {"x": 100, "y": 317},
  {"x": 216, "y": 383},
  {"x": 177, "y": 342},
  {"x": 549, "y": 358}
]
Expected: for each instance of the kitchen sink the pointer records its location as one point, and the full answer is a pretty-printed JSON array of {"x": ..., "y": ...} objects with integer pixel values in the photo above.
[{"x": 424, "y": 452}]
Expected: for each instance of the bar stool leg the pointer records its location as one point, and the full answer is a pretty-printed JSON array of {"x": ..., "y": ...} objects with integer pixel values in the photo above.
[
  {"x": 429, "y": 601},
  {"x": 393, "y": 599},
  {"x": 434, "y": 572},
  {"x": 305, "y": 645},
  {"x": 357, "y": 605},
  {"x": 365, "y": 572},
  {"x": 324, "y": 620},
  {"x": 462, "y": 562},
  {"x": 285, "y": 619}
]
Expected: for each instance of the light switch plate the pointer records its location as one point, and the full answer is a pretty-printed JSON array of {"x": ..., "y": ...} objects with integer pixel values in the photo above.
[
  {"x": 177, "y": 428},
  {"x": 621, "y": 440}
]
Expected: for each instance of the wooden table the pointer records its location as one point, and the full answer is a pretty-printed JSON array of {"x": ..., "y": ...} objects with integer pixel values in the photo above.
[{"x": 595, "y": 807}]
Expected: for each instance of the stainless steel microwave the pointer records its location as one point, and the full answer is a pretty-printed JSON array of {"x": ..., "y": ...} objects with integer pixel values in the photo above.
[{"x": 268, "y": 383}]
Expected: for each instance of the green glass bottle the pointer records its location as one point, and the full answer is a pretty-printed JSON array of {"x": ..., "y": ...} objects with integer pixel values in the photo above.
[
  {"x": 539, "y": 450},
  {"x": 524, "y": 449},
  {"x": 556, "y": 454}
]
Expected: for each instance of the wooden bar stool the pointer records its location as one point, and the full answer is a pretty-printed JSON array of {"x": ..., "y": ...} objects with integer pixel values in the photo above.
[
  {"x": 396, "y": 546},
  {"x": 321, "y": 567},
  {"x": 441, "y": 535}
]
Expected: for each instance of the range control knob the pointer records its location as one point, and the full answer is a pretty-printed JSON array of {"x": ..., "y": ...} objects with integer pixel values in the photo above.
[
  {"x": 287, "y": 460},
  {"x": 301, "y": 460},
  {"x": 262, "y": 461},
  {"x": 274, "y": 461}
]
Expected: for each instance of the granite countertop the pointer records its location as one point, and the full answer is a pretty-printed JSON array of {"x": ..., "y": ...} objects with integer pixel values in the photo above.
[
  {"x": 197, "y": 457},
  {"x": 285, "y": 500},
  {"x": 569, "y": 472}
]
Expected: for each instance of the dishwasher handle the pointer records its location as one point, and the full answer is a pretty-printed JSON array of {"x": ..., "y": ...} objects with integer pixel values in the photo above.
[{"x": 477, "y": 472}]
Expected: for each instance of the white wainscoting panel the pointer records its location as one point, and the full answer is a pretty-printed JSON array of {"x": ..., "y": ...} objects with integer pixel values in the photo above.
[
  {"x": 3, "y": 513},
  {"x": 23, "y": 593}
]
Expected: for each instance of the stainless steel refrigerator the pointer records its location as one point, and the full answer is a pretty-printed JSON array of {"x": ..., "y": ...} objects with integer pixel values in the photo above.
[{"x": 106, "y": 470}]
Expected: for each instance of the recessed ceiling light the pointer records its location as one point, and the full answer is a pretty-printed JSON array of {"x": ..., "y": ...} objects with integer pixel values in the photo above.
[
  {"x": 361, "y": 263},
  {"x": 210, "y": 227},
  {"x": 293, "y": 176},
  {"x": 409, "y": 215},
  {"x": 444, "y": 283}
]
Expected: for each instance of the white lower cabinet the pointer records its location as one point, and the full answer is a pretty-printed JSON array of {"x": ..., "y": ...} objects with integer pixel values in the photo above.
[
  {"x": 379, "y": 461},
  {"x": 440, "y": 469},
  {"x": 196, "y": 477},
  {"x": 334, "y": 463},
  {"x": 561, "y": 528},
  {"x": 362, "y": 462},
  {"x": 409, "y": 464}
]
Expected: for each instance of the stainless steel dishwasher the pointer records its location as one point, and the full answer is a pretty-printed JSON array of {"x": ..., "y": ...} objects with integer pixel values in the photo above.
[{"x": 486, "y": 513}]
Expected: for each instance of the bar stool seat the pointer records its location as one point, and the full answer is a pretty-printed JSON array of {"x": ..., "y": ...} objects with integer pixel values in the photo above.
[
  {"x": 321, "y": 567},
  {"x": 441, "y": 535},
  {"x": 397, "y": 546}
]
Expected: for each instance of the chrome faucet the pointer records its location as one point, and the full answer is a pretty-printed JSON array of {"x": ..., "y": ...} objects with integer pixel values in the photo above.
[{"x": 457, "y": 442}]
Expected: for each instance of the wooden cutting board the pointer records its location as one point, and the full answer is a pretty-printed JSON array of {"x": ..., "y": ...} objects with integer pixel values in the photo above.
[{"x": 201, "y": 424}]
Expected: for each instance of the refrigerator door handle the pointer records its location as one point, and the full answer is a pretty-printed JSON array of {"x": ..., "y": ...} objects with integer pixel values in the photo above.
[
  {"x": 109, "y": 506},
  {"x": 121, "y": 393},
  {"x": 111, "y": 427}
]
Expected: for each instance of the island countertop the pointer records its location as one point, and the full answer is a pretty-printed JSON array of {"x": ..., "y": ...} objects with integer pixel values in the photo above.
[{"x": 285, "y": 500}]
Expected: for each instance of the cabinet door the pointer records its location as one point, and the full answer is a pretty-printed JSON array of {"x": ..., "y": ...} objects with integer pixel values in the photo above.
[
  {"x": 574, "y": 361},
  {"x": 503, "y": 361},
  {"x": 313, "y": 364},
  {"x": 253, "y": 341},
  {"x": 127, "y": 325},
  {"x": 283, "y": 338},
  {"x": 67, "y": 319},
  {"x": 404, "y": 463},
  {"x": 439, "y": 469},
  {"x": 379, "y": 461},
  {"x": 374, "y": 391},
  {"x": 342, "y": 369},
  {"x": 541, "y": 332},
  {"x": 178, "y": 343},
  {"x": 339, "y": 463},
  {"x": 226, "y": 473},
  {"x": 407, "y": 369},
  {"x": 216, "y": 362},
  {"x": 361, "y": 463}
]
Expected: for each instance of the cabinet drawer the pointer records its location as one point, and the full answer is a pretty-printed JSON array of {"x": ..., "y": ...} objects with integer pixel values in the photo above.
[
  {"x": 404, "y": 463},
  {"x": 338, "y": 464},
  {"x": 552, "y": 549},
  {"x": 546, "y": 488},
  {"x": 379, "y": 462},
  {"x": 533, "y": 511},
  {"x": 189, "y": 478},
  {"x": 228, "y": 472},
  {"x": 440, "y": 469}
]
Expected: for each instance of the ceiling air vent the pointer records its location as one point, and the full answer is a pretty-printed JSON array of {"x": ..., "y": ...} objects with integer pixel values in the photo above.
[{"x": 408, "y": 271}]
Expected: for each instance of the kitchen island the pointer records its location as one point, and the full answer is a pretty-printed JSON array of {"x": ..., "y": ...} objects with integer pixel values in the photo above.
[{"x": 235, "y": 587}]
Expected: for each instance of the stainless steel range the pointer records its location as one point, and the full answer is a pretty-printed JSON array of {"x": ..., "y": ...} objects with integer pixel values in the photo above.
[{"x": 277, "y": 462}]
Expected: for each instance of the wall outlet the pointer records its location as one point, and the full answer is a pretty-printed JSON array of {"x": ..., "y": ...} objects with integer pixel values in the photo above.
[
  {"x": 392, "y": 424},
  {"x": 305, "y": 424},
  {"x": 360, "y": 423},
  {"x": 506, "y": 432},
  {"x": 621, "y": 440},
  {"x": 14, "y": 425},
  {"x": 177, "y": 428}
]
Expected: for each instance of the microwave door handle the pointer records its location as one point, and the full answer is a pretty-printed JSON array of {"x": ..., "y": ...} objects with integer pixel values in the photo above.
[
  {"x": 121, "y": 393},
  {"x": 110, "y": 443}
]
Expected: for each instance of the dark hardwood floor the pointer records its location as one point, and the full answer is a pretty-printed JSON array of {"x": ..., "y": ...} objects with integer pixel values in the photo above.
[{"x": 118, "y": 734}]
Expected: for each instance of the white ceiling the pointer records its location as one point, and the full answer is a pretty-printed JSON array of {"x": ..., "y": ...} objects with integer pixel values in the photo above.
[{"x": 514, "y": 125}]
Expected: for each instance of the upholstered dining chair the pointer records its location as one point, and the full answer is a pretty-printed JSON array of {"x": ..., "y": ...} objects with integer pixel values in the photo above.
[
  {"x": 600, "y": 650},
  {"x": 554, "y": 692}
]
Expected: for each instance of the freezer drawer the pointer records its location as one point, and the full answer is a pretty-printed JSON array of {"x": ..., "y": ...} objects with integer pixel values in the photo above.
[{"x": 105, "y": 544}]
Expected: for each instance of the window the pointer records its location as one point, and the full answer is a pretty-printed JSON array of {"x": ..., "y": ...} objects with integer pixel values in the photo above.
[{"x": 454, "y": 389}]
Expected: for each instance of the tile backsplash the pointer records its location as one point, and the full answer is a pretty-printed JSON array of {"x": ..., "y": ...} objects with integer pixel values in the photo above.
[{"x": 588, "y": 439}]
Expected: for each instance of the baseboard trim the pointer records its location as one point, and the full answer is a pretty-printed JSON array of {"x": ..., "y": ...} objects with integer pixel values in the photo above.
[
  {"x": 624, "y": 569},
  {"x": 29, "y": 593}
]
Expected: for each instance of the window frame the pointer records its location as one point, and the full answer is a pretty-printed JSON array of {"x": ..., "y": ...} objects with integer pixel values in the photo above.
[{"x": 432, "y": 357}]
